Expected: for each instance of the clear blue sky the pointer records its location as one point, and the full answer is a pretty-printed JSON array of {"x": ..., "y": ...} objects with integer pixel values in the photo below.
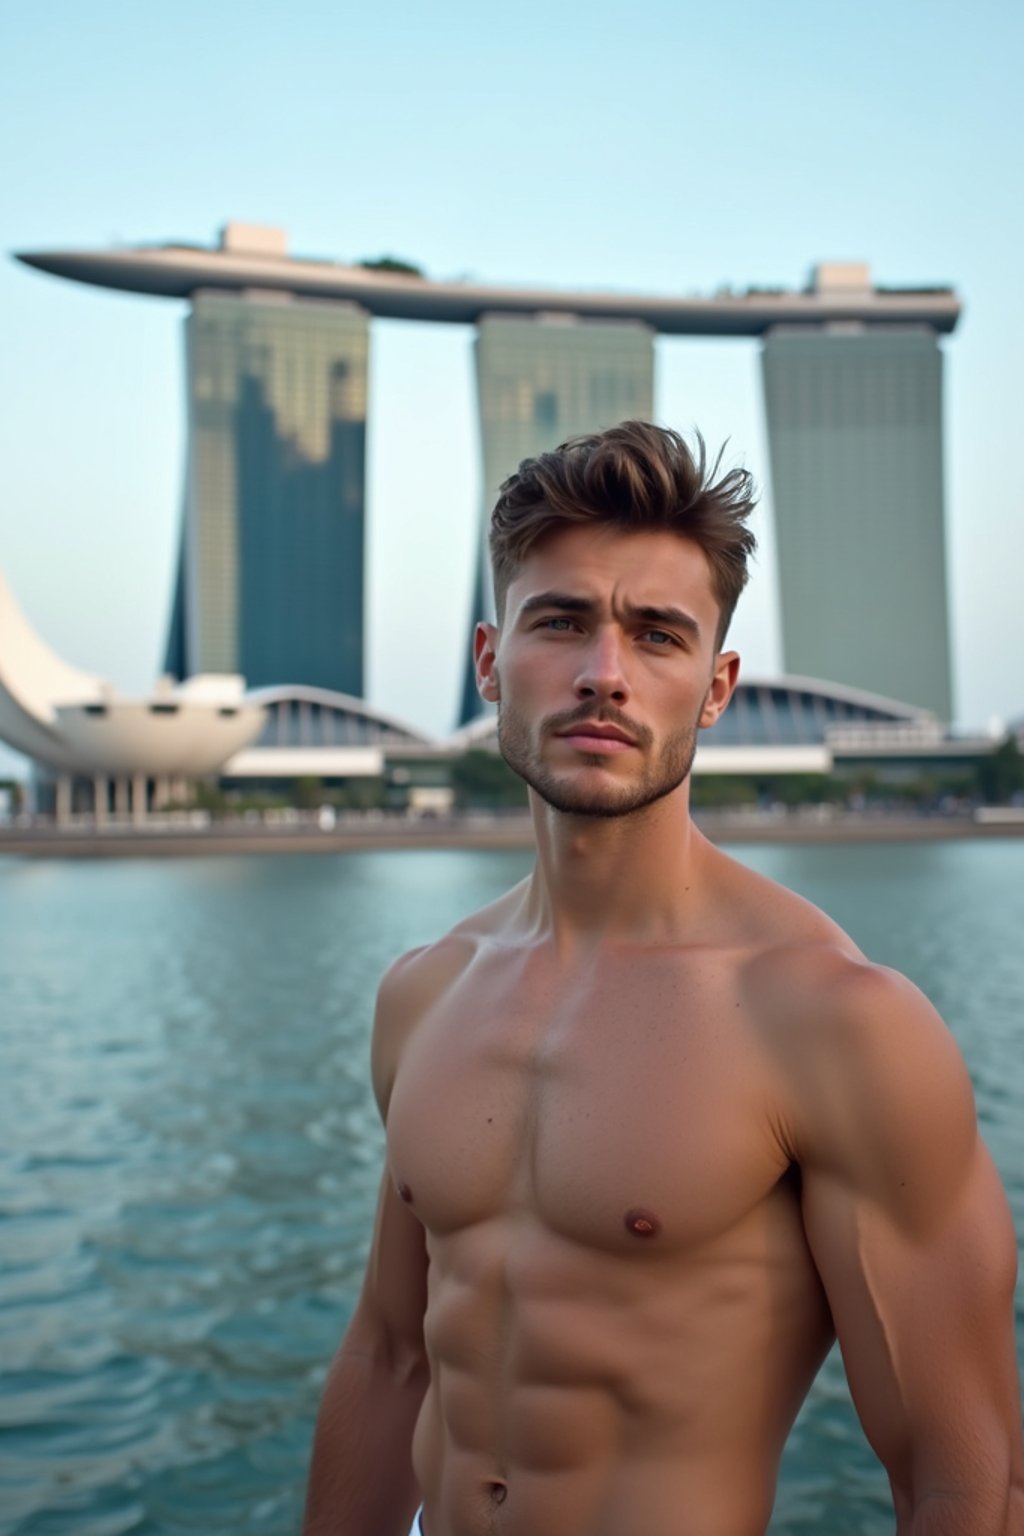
[{"x": 669, "y": 147}]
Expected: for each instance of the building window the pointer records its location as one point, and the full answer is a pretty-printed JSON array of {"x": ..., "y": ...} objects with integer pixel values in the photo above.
[{"x": 545, "y": 409}]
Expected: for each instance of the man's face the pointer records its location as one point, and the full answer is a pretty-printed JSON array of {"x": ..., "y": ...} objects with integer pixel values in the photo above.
[{"x": 605, "y": 667}]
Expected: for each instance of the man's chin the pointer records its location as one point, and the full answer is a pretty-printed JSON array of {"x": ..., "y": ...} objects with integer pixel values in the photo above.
[
  {"x": 595, "y": 801},
  {"x": 597, "y": 786},
  {"x": 586, "y": 808}
]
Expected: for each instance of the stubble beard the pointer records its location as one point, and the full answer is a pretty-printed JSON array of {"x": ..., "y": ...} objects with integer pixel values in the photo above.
[{"x": 659, "y": 778}]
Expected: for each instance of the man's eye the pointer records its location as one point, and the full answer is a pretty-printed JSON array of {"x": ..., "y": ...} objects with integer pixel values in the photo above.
[
  {"x": 659, "y": 637},
  {"x": 560, "y": 625}
]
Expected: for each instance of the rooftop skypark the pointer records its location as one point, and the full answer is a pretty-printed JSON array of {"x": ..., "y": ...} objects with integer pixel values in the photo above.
[{"x": 251, "y": 256}]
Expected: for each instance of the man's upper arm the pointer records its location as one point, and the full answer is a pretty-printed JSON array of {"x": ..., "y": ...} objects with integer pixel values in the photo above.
[
  {"x": 389, "y": 1313},
  {"x": 387, "y": 1324},
  {"x": 910, "y": 1231},
  {"x": 361, "y": 1476}
]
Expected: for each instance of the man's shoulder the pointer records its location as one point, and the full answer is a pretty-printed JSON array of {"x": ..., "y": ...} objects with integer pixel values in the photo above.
[
  {"x": 420, "y": 978},
  {"x": 817, "y": 993},
  {"x": 419, "y": 972},
  {"x": 767, "y": 919},
  {"x": 862, "y": 1058},
  {"x": 799, "y": 966},
  {"x": 414, "y": 981},
  {"x": 809, "y": 979},
  {"x": 830, "y": 1018},
  {"x": 453, "y": 949},
  {"x": 409, "y": 988}
]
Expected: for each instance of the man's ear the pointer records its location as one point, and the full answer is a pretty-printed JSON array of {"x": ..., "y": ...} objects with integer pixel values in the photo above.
[
  {"x": 485, "y": 646},
  {"x": 723, "y": 685}
]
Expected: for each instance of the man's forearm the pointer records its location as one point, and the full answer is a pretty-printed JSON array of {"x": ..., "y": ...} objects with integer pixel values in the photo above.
[
  {"x": 361, "y": 1480},
  {"x": 954, "y": 1512}
]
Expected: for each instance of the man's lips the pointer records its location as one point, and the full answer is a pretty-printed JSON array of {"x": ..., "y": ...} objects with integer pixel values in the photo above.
[{"x": 592, "y": 736}]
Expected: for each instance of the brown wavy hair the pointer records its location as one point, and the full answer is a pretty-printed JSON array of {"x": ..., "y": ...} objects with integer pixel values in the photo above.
[{"x": 635, "y": 476}]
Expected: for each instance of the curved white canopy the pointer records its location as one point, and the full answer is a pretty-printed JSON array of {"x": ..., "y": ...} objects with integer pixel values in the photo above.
[{"x": 74, "y": 722}]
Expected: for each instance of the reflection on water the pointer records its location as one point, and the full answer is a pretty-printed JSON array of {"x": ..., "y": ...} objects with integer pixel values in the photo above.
[{"x": 189, "y": 1156}]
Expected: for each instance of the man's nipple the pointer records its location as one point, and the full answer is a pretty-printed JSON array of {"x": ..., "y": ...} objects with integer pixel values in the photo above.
[
  {"x": 405, "y": 1194},
  {"x": 641, "y": 1223}
]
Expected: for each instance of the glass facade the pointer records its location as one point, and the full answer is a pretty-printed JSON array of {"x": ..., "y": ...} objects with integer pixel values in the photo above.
[
  {"x": 855, "y": 438},
  {"x": 783, "y": 715},
  {"x": 541, "y": 380},
  {"x": 306, "y": 718},
  {"x": 270, "y": 580}
]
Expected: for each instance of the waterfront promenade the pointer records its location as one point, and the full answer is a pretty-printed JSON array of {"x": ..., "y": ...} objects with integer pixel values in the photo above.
[{"x": 190, "y": 837}]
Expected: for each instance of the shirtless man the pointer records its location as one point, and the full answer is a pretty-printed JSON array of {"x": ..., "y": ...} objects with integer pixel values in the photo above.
[{"x": 657, "y": 1131}]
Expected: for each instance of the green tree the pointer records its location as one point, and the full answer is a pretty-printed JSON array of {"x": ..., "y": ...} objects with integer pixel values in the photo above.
[
  {"x": 208, "y": 796},
  {"x": 483, "y": 781},
  {"x": 1001, "y": 775},
  {"x": 391, "y": 264},
  {"x": 361, "y": 795},
  {"x": 309, "y": 793},
  {"x": 722, "y": 791}
]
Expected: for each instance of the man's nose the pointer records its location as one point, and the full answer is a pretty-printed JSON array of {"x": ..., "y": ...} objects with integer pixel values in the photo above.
[{"x": 602, "y": 674}]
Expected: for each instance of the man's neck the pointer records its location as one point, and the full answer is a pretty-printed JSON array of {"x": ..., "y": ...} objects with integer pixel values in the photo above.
[{"x": 607, "y": 879}]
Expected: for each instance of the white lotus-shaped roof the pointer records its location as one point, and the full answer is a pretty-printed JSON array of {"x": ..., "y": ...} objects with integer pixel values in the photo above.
[{"x": 74, "y": 722}]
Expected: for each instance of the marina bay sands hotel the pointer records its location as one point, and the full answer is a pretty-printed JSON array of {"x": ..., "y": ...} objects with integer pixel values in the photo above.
[{"x": 270, "y": 580}]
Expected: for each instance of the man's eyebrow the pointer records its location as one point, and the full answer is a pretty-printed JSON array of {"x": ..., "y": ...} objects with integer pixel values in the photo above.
[
  {"x": 647, "y": 613},
  {"x": 671, "y": 618},
  {"x": 567, "y": 602}
]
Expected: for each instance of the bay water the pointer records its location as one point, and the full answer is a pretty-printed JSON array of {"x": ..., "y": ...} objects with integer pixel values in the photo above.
[{"x": 189, "y": 1155}]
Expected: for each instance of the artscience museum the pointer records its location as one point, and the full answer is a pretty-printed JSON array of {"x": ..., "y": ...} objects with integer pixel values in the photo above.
[{"x": 95, "y": 750}]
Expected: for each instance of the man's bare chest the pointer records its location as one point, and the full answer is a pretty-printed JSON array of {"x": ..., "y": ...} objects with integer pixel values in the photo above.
[{"x": 627, "y": 1106}]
